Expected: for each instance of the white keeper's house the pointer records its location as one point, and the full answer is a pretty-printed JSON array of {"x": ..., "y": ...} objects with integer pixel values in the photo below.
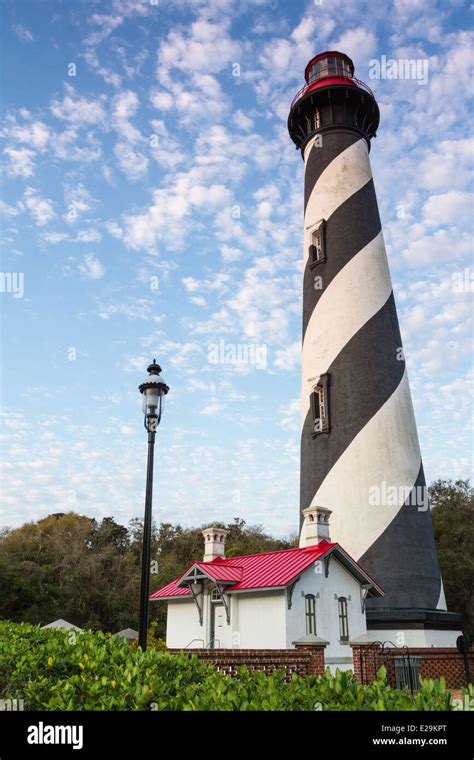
[{"x": 315, "y": 593}]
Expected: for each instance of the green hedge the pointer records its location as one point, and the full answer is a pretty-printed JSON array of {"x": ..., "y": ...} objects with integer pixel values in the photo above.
[{"x": 58, "y": 670}]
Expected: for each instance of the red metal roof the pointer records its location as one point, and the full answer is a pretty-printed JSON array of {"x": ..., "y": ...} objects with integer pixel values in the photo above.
[
  {"x": 221, "y": 570},
  {"x": 266, "y": 570}
]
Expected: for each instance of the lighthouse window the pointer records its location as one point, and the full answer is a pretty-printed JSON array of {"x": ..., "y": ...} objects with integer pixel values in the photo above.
[
  {"x": 320, "y": 406},
  {"x": 346, "y": 70},
  {"x": 310, "y": 610},
  {"x": 315, "y": 71},
  {"x": 317, "y": 248},
  {"x": 343, "y": 619}
]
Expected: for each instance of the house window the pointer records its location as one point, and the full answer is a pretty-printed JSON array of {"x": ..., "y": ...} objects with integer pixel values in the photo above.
[
  {"x": 317, "y": 248},
  {"x": 310, "y": 610},
  {"x": 215, "y": 596},
  {"x": 320, "y": 405},
  {"x": 343, "y": 620},
  {"x": 317, "y": 118}
]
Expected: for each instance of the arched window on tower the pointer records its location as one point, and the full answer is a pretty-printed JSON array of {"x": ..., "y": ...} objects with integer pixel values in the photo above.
[
  {"x": 320, "y": 406},
  {"x": 317, "y": 247}
]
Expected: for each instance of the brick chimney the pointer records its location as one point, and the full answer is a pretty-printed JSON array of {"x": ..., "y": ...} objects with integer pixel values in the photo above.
[
  {"x": 214, "y": 543},
  {"x": 315, "y": 526}
]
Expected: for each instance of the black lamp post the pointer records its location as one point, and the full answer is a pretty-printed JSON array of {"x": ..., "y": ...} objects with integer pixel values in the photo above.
[{"x": 154, "y": 390}]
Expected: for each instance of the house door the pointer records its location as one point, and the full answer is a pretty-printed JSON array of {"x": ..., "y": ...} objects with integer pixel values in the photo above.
[{"x": 218, "y": 622}]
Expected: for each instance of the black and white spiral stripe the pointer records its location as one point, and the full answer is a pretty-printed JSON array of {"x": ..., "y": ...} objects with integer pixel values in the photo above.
[{"x": 351, "y": 332}]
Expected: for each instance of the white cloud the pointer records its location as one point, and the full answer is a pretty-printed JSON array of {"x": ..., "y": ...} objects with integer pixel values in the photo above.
[
  {"x": 288, "y": 416},
  {"x": 91, "y": 268},
  {"x": 171, "y": 207},
  {"x": 88, "y": 236},
  {"x": 78, "y": 200},
  {"x": 165, "y": 149},
  {"x": 114, "y": 229},
  {"x": 20, "y": 162},
  {"x": 22, "y": 33},
  {"x": 359, "y": 43},
  {"x": 265, "y": 302},
  {"x": 41, "y": 209},
  {"x": 36, "y": 134},
  {"x": 109, "y": 76},
  {"x": 78, "y": 110},
  {"x": 202, "y": 99},
  {"x": 242, "y": 121},
  {"x": 218, "y": 282},
  {"x": 179, "y": 355},
  {"x": 435, "y": 321},
  {"x": 8, "y": 210},
  {"x": 230, "y": 254},
  {"x": 447, "y": 165},
  {"x": 53, "y": 238},
  {"x": 105, "y": 24},
  {"x": 288, "y": 358},
  {"x": 132, "y": 308},
  {"x": 162, "y": 100},
  {"x": 433, "y": 248},
  {"x": 124, "y": 107},
  {"x": 66, "y": 146},
  {"x": 451, "y": 208},
  {"x": 133, "y": 163},
  {"x": 207, "y": 49},
  {"x": 212, "y": 408}
]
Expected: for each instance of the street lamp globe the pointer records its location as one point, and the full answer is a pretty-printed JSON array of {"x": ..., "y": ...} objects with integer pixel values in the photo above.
[{"x": 153, "y": 390}]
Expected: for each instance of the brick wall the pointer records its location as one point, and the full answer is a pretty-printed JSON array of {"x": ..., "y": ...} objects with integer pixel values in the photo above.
[
  {"x": 303, "y": 660},
  {"x": 435, "y": 662}
]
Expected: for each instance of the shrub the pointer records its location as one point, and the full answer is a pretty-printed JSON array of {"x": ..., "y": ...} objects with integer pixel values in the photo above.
[{"x": 53, "y": 669}]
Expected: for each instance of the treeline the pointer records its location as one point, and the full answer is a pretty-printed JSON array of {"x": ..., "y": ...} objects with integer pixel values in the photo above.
[{"x": 88, "y": 572}]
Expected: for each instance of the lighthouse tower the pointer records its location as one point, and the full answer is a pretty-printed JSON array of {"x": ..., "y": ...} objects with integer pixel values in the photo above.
[{"x": 360, "y": 455}]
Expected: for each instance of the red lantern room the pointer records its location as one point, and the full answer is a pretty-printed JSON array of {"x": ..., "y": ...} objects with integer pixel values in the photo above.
[
  {"x": 332, "y": 96},
  {"x": 337, "y": 67}
]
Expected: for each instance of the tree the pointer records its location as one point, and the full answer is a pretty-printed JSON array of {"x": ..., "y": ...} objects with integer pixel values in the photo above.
[
  {"x": 453, "y": 520},
  {"x": 71, "y": 566}
]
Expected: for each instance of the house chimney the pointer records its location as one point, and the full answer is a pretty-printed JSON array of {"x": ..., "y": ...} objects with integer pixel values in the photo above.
[
  {"x": 214, "y": 543},
  {"x": 316, "y": 525}
]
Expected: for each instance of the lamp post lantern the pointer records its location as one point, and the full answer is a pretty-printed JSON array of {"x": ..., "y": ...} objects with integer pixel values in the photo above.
[{"x": 153, "y": 390}]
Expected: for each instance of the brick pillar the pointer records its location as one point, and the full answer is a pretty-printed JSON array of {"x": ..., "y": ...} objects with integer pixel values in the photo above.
[
  {"x": 367, "y": 661},
  {"x": 314, "y": 646}
]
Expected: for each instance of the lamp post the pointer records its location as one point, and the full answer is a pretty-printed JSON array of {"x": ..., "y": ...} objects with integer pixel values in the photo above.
[{"x": 153, "y": 390}]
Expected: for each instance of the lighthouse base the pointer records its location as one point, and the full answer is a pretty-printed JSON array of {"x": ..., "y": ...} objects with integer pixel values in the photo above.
[{"x": 414, "y": 627}]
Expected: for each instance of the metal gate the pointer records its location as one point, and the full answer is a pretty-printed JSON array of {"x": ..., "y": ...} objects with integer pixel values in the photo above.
[{"x": 406, "y": 667}]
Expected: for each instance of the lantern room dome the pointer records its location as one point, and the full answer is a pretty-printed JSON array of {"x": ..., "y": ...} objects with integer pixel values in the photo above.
[
  {"x": 332, "y": 97},
  {"x": 329, "y": 64},
  {"x": 327, "y": 70}
]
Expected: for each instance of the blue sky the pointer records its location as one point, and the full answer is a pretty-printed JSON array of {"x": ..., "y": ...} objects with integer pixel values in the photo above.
[{"x": 152, "y": 206}]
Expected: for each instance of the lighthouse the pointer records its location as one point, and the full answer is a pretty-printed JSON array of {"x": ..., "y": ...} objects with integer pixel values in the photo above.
[{"x": 360, "y": 456}]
